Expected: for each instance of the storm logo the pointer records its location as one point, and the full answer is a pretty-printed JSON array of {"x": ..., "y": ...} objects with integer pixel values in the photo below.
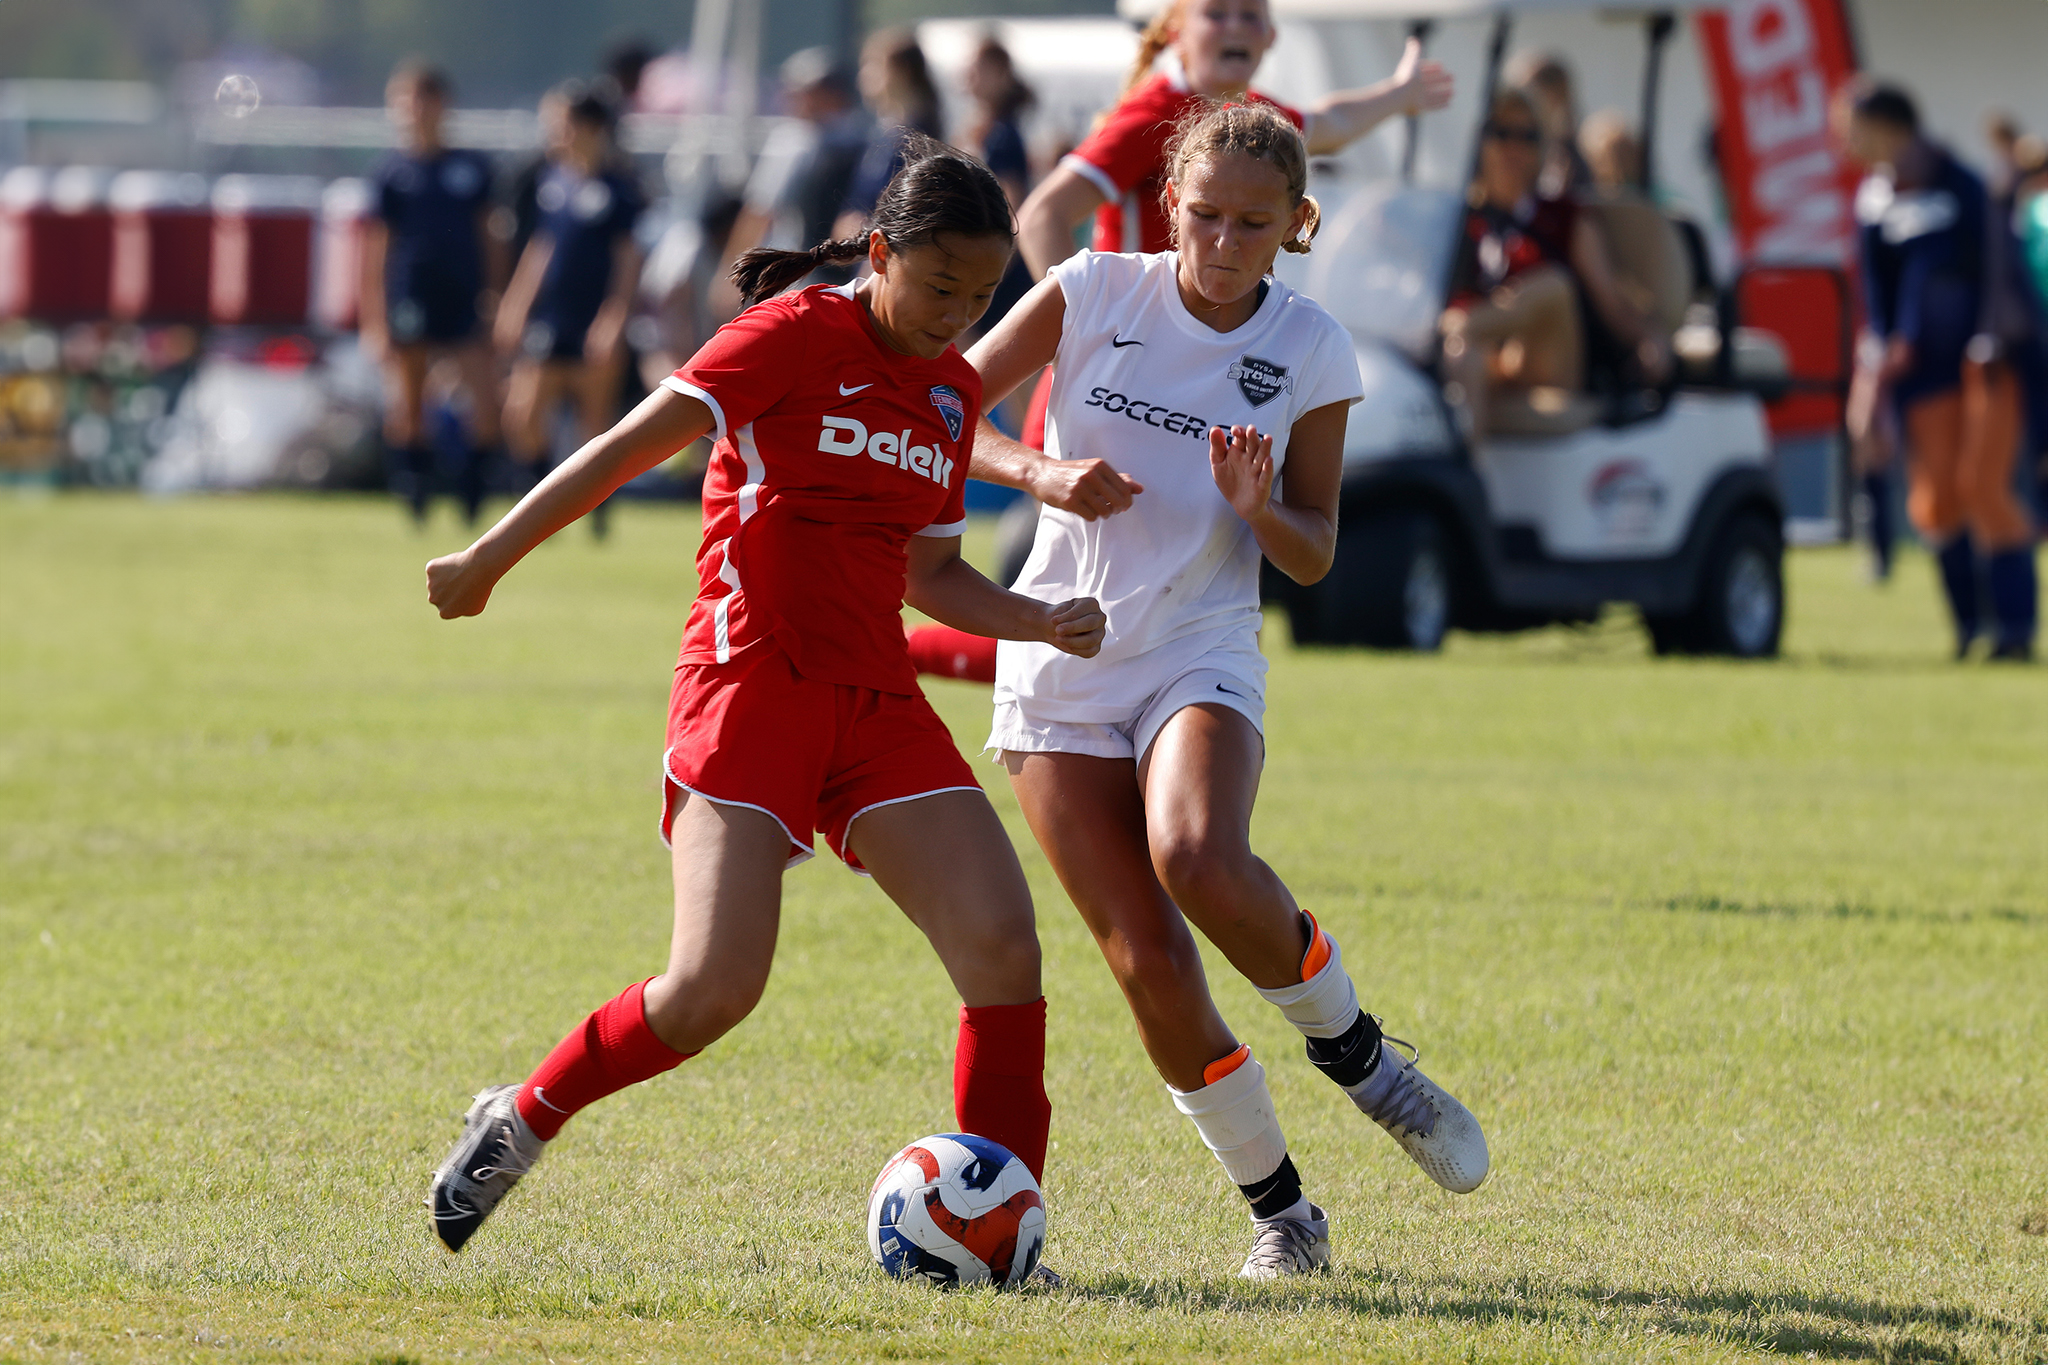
[
  {"x": 946, "y": 399},
  {"x": 1260, "y": 381}
]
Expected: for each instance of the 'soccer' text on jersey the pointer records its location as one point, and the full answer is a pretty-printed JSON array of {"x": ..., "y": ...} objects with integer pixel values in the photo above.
[
  {"x": 849, "y": 436},
  {"x": 1151, "y": 414}
]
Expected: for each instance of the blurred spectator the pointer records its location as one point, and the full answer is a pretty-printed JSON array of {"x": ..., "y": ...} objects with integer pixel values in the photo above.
[
  {"x": 2002, "y": 131},
  {"x": 1936, "y": 355},
  {"x": 1546, "y": 77},
  {"x": 565, "y": 311},
  {"x": 624, "y": 64},
  {"x": 804, "y": 173},
  {"x": 897, "y": 85},
  {"x": 1515, "y": 321},
  {"x": 1000, "y": 99},
  {"x": 423, "y": 280},
  {"x": 514, "y": 223},
  {"x": 1613, "y": 157}
]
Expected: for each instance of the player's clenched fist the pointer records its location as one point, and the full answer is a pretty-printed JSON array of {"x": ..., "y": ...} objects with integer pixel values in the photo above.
[
  {"x": 458, "y": 586},
  {"x": 1076, "y": 626}
]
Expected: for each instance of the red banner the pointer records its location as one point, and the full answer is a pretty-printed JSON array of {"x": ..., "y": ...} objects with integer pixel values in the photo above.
[{"x": 1774, "y": 65}]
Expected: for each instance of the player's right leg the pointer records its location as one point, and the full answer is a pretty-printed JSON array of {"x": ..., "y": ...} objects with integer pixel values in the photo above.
[
  {"x": 1934, "y": 502},
  {"x": 408, "y": 456},
  {"x": 728, "y": 862},
  {"x": 1088, "y": 817}
]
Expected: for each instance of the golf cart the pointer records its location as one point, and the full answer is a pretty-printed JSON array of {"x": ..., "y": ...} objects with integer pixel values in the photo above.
[{"x": 1662, "y": 498}]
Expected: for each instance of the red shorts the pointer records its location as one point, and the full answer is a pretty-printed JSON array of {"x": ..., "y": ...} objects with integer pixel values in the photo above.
[{"x": 814, "y": 755}]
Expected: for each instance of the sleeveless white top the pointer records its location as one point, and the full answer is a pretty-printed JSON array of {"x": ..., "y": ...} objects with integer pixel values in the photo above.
[{"x": 1138, "y": 381}]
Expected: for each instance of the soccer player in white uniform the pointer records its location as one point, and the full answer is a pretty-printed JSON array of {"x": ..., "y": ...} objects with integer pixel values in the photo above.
[{"x": 1205, "y": 381}]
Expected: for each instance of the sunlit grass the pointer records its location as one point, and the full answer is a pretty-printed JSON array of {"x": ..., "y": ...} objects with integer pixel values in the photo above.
[{"x": 1742, "y": 966}]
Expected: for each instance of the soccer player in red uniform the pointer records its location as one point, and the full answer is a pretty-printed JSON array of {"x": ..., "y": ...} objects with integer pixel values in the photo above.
[
  {"x": 844, "y": 420},
  {"x": 1211, "y": 48}
]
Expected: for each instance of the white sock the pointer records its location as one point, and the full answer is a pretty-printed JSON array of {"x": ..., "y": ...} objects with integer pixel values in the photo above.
[
  {"x": 1326, "y": 1004},
  {"x": 1235, "y": 1118}
]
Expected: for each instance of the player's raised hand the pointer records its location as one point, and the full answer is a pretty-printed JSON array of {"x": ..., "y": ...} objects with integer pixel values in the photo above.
[
  {"x": 1241, "y": 461},
  {"x": 1427, "y": 85},
  {"x": 457, "y": 585},
  {"x": 1087, "y": 488},
  {"x": 1077, "y": 627}
]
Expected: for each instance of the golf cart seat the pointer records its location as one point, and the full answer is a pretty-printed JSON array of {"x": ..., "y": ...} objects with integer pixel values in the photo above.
[{"x": 1650, "y": 261}]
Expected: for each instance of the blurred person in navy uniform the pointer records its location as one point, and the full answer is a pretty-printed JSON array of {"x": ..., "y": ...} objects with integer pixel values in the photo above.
[
  {"x": 897, "y": 84},
  {"x": 1952, "y": 326},
  {"x": 803, "y": 174},
  {"x": 425, "y": 268},
  {"x": 997, "y": 137},
  {"x": 564, "y": 313}
]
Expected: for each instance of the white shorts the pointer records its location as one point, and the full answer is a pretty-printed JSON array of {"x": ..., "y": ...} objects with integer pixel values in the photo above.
[{"x": 1215, "y": 679}]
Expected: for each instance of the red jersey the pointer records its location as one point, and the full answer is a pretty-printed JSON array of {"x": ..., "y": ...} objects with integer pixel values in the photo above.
[
  {"x": 1126, "y": 160},
  {"x": 833, "y": 451}
]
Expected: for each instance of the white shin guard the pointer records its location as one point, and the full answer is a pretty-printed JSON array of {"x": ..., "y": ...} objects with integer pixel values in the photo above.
[
  {"x": 1324, "y": 1005},
  {"x": 1235, "y": 1118}
]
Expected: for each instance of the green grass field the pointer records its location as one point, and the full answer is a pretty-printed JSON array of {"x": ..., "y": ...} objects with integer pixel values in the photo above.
[{"x": 1745, "y": 968}]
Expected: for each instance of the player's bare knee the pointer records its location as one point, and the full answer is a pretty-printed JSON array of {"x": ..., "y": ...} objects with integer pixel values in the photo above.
[
  {"x": 694, "y": 1011},
  {"x": 1198, "y": 868}
]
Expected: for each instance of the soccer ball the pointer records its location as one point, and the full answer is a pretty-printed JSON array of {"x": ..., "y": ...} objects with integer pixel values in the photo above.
[{"x": 956, "y": 1209}]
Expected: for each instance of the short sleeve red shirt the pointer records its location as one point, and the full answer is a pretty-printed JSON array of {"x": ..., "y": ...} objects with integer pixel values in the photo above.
[
  {"x": 1126, "y": 159},
  {"x": 833, "y": 451}
]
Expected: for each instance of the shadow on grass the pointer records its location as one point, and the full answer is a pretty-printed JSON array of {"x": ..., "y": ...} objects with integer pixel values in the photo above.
[
  {"x": 1719, "y": 905},
  {"x": 1827, "y": 1325}
]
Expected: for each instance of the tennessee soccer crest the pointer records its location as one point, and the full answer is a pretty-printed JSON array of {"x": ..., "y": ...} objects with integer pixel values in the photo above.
[
  {"x": 946, "y": 399},
  {"x": 1260, "y": 381}
]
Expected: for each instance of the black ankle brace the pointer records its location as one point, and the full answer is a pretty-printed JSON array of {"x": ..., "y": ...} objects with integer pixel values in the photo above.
[
  {"x": 1277, "y": 1193},
  {"x": 1352, "y": 1055}
]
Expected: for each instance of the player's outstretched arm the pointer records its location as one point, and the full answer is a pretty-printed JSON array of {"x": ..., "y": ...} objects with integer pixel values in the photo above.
[
  {"x": 460, "y": 584},
  {"x": 953, "y": 592},
  {"x": 1298, "y": 529},
  {"x": 1023, "y": 343},
  {"x": 1416, "y": 87}
]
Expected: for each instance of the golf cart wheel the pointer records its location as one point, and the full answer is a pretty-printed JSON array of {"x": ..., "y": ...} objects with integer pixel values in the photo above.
[
  {"x": 1740, "y": 611},
  {"x": 1391, "y": 584}
]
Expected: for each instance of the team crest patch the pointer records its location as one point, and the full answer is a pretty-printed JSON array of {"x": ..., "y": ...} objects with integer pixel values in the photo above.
[
  {"x": 1260, "y": 381},
  {"x": 946, "y": 399}
]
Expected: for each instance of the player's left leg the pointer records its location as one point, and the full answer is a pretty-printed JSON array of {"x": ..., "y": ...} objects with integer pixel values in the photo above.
[
  {"x": 946, "y": 862},
  {"x": 1998, "y": 521},
  {"x": 1200, "y": 776}
]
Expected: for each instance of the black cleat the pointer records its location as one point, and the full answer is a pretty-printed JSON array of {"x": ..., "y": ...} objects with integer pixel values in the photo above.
[{"x": 495, "y": 1149}]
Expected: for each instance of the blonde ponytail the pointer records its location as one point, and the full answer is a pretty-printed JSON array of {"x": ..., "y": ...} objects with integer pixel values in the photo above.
[
  {"x": 1155, "y": 38},
  {"x": 1299, "y": 244}
]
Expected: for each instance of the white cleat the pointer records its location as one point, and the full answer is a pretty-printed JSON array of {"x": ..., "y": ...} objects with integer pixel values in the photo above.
[
  {"x": 1427, "y": 1120},
  {"x": 495, "y": 1149},
  {"x": 1288, "y": 1246}
]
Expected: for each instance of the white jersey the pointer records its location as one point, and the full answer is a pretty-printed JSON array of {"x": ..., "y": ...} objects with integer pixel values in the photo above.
[{"x": 1138, "y": 381}]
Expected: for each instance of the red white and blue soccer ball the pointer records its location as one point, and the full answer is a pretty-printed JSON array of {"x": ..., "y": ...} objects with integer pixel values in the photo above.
[{"x": 956, "y": 1209}]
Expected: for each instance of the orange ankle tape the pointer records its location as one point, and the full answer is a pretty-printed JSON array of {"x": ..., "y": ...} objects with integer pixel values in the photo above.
[{"x": 1223, "y": 1066}]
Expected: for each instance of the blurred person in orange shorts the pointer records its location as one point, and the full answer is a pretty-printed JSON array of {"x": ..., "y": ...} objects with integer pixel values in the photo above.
[{"x": 1947, "y": 362}]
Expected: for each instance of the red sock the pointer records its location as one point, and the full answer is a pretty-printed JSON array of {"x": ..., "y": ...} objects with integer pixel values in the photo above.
[
  {"x": 949, "y": 653},
  {"x": 999, "y": 1079},
  {"x": 609, "y": 1051}
]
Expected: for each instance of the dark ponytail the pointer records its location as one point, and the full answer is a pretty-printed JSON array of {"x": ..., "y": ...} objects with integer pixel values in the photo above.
[{"x": 939, "y": 190}]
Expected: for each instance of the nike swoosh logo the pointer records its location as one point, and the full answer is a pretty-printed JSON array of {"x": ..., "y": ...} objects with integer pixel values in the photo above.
[
  {"x": 1118, "y": 343},
  {"x": 1231, "y": 691},
  {"x": 540, "y": 1093},
  {"x": 845, "y": 392}
]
